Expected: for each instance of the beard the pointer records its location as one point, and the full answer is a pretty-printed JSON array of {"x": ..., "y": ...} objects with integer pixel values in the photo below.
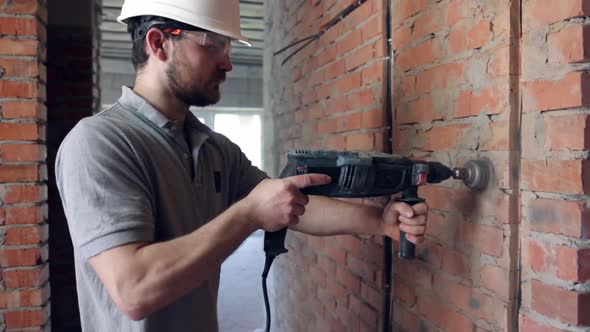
[{"x": 191, "y": 94}]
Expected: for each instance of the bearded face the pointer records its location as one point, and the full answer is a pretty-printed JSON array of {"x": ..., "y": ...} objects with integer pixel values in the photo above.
[{"x": 195, "y": 84}]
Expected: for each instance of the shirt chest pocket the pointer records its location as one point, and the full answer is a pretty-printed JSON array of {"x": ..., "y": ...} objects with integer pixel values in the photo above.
[{"x": 211, "y": 192}]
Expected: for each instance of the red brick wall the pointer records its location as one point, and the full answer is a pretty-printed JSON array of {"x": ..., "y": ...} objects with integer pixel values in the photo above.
[
  {"x": 23, "y": 194},
  {"x": 466, "y": 84},
  {"x": 329, "y": 96},
  {"x": 456, "y": 98},
  {"x": 554, "y": 173}
]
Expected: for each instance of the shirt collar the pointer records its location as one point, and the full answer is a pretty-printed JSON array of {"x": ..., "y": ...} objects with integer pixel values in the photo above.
[{"x": 133, "y": 100}]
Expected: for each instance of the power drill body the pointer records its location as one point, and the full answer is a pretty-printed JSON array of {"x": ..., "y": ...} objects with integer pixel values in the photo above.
[{"x": 359, "y": 175}]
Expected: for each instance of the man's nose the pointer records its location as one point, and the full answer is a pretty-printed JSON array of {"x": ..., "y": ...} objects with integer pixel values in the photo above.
[{"x": 225, "y": 62}]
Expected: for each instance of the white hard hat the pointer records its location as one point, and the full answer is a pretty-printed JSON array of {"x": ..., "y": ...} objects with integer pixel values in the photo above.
[{"x": 220, "y": 16}]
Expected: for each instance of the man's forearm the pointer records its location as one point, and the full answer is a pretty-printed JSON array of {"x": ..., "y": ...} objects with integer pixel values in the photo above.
[
  {"x": 158, "y": 274},
  {"x": 326, "y": 216}
]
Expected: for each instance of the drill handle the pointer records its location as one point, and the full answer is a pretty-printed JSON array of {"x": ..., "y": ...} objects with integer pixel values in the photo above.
[
  {"x": 406, "y": 248},
  {"x": 274, "y": 242}
]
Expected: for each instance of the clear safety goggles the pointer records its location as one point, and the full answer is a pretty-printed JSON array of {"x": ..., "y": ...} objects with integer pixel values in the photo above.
[{"x": 217, "y": 45}]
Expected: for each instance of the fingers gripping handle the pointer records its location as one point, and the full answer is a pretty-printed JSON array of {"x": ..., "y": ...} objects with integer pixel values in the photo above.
[{"x": 407, "y": 250}]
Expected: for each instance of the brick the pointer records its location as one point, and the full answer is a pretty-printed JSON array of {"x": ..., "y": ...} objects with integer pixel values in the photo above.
[
  {"x": 18, "y": 89},
  {"x": 429, "y": 23},
  {"x": 454, "y": 263},
  {"x": 348, "y": 280},
  {"x": 22, "y": 298},
  {"x": 457, "y": 11},
  {"x": 25, "y": 194},
  {"x": 439, "y": 78},
  {"x": 501, "y": 63},
  {"x": 336, "y": 142},
  {"x": 373, "y": 73},
  {"x": 362, "y": 55},
  {"x": 22, "y": 110},
  {"x": 569, "y": 45},
  {"x": 401, "y": 36},
  {"x": 18, "y": 68},
  {"x": 349, "y": 42},
  {"x": 25, "y": 47},
  {"x": 486, "y": 238},
  {"x": 26, "y": 235},
  {"x": 19, "y": 173},
  {"x": 566, "y": 263},
  {"x": 328, "y": 55},
  {"x": 405, "y": 321},
  {"x": 558, "y": 176},
  {"x": 360, "y": 142},
  {"x": 567, "y": 306},
  {"x": 373, "y": 28},
  {"x": 408, "y": 8},
  {"x": 26, "y": 318},
  {"x": 348, "y": 242},
  {"x": 372, "y": 296},
  {"x": 404, "y": 293},
  {"x": 445, "y": 199},
  {"x": 420, "y": 110},
  {"x": 540, "y": 13},
  {"x": 21, "y": 257},
  {"x": 488, "y": 101},
  {"x": 360, "y": 267},
  {"x": 348, "y": 82},
  {"x": 571, "y": 91},
  {"x": 442, "y": 227},
  {"x": 373, "y": 119},
  {"x": 475, "y": 36},
  {"x": 361, "y": 99},
  {"x": 19, "y": 26},
  {"x": 418, "y": 276},
  {"x": 327, "y": 126},
  {"x": 19, "y": 131},
  {"x": 25, "y": 277},
  {"x": 569, "y": 218},
  {"x": 499, "y": 139},
  {"x": 422, "y": 54},
  {"x": 19, "y": 6},
  {"x": 567, "y": 132},
  {"x": 497, "y": 280},
  {"x": 530, "y": 325},
  {"x": 22, "y": 152},
  {"x": 335, "y": 69},
  {"x": 443, "y": 138},
  {"x": 23, "y": 215},
  {"x": 442, "y": 315}
]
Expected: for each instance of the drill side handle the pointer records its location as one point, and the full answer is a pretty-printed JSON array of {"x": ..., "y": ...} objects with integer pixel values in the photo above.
[
  {"x": 407, "y": 250},
  {"x": 274, "y": 242}
]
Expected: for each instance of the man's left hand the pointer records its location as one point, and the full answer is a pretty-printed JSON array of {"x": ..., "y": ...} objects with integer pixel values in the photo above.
[{"x": 409, "y": 219}]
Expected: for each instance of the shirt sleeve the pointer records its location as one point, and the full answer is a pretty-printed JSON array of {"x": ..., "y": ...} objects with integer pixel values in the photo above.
[
  {"x": 105, "y": 195},
  {"x": 250, "y": 175}
]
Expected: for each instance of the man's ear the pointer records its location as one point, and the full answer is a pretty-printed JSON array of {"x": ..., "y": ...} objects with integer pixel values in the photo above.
[{"x": 155, "y": 40}]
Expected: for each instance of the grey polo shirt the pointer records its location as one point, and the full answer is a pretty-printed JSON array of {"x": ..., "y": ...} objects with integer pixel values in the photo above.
[{"x": 128, "y": 174}]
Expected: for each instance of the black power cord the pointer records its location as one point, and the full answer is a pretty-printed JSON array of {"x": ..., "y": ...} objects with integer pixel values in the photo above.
[
  {"x": 267, "y": 264},
  {"x": 323, "y": 29}
]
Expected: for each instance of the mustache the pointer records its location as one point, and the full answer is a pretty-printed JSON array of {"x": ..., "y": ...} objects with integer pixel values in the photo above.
[{"x": 220, "y": 76}]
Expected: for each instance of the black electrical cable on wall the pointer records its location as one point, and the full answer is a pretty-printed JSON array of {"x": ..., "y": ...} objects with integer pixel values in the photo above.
[
  {"x": 388, "y": 245},
  {"x": 325, "y": 27}
]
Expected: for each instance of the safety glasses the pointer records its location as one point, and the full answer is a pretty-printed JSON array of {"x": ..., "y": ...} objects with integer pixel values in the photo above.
[{"x": 215, "y": 44}]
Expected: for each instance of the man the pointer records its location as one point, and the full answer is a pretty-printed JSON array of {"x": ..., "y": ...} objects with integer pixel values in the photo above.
[{"x": 156, "y": 201}]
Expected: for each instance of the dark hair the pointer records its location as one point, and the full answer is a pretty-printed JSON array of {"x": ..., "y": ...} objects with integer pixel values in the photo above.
[{"x": 139, "y": 26}]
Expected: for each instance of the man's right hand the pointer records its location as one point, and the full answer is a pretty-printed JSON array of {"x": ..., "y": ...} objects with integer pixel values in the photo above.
[{"x": 278, "y": 203}]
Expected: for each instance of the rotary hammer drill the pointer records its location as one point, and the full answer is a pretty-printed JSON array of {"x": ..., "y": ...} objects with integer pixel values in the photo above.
[{"x": 363, "y": 174}]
